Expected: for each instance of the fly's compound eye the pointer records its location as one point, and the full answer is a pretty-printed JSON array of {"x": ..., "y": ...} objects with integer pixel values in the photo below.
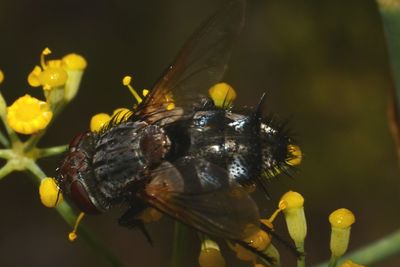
[
  {"x": 81, "y": 198},
  {"x": 77, "y": 140}
]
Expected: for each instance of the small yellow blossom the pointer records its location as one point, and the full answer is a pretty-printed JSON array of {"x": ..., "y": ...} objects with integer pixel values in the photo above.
[
  {"x": 1, "y": 77},
  {"x": 341, "y": 221},
  {"x": 52, "y": 77},
  {"x": 74, "y": 62},
  {"x": 292, "y": 205},
  {"x": 342, "y": 218},
  {"x": 28, "y": 115},
  {"x": 50, "y": 194},
  {"x": 210, "y": 255},
  {"x": 98, "y": 121},
  {"x": 222, "y": 94},
  {"x": 120, "y": 114},
  {"x": 296, "y": 155},
  {"x": 33, "y": 77},
  {"x": 260, "y": 240}
]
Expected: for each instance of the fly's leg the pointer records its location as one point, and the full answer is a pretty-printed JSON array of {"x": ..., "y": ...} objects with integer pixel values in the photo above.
[{"x": 130, "y": 220}]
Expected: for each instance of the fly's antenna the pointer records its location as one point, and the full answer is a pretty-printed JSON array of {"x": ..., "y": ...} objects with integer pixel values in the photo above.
[
  {"x": 127, "y": 82},
  {"x": 72, "y": 235}
]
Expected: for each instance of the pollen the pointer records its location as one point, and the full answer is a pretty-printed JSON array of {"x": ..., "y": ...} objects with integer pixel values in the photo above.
[
  {"x": 28, "y": 115},
  {"x": 98, "y": 121},
  {"x": 74, "y": 62},
  {"x": 222, "y": 94},
  {"x": 50, "y": 194}
]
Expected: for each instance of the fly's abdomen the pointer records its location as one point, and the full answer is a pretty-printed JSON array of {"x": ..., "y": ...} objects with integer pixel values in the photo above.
[{"x": 228, "y": 140}]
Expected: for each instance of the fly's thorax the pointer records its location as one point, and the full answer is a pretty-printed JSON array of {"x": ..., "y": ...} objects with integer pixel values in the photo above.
[{"x": 124, "y": 154}]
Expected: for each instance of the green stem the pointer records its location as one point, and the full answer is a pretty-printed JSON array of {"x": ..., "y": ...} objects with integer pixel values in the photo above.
[
  {"x": 390, "y": 13},
  {"x": 3, "y": 116},
  {"x": 301, "y": 261},
  {"x": 6, "y": 169},
  {"x": 4, "y": 141},
  {"x": 377, "y": 251},
  {"x": 180, "y": 233},
  {"x": 333, "y": 261},
  {"x": 51, "y": 151},
  {"x": 6, "y": 153},
  {"x": 68, "y": 215}
]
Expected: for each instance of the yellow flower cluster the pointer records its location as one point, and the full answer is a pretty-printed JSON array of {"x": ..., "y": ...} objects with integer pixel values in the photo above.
[{"x": 60, "y": 80}]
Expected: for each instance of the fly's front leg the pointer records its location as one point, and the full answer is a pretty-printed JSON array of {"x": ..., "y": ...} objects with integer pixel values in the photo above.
[{"x": 131, "y": 219}]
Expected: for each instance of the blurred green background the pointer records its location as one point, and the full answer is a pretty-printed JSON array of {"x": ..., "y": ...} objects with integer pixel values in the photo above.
[{"x": 323, "y": 65}]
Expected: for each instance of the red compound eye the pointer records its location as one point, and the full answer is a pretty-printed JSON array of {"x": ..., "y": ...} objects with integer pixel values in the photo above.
[
  {"x": 77, "y": 140},
  {"x": 81, "y": 198}
]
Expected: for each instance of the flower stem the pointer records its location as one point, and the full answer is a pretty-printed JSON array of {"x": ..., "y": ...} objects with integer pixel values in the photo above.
[
  {"x": 301, "y": 261},
  {"x": 68, "y": 215},
  {"x": 6, "y": 169},
  {"x": 377, "y": 251},
  {"x": 390, "y": 13},
  {"x": 333, "y": 261},
  {"x": 4, "y": 141},
  {"x": 51, "y": 151},
  {"x": 180, "y": 232}
]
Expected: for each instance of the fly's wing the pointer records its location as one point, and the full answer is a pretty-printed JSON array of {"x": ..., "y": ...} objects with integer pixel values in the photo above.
[
  {"x": 200, "y": 64},
  {"x": 200, "y": 194}
]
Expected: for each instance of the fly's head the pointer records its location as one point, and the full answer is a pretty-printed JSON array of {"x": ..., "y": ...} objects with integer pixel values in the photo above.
[{"x": 75, "y": 175}]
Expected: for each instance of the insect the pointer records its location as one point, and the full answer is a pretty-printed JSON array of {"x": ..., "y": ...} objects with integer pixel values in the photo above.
[{"x": 180, "y": 153}]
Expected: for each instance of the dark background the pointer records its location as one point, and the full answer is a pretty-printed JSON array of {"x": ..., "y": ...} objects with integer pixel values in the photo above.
[{"x": 323, "y": 64}]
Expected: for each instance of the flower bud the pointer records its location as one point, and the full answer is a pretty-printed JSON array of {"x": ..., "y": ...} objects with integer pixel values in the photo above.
[
  {"x": 341, "y": 221},
  {"x": 50, "y": 194},
  {"x": 222, "y": 94},
  {"x": 291, "y": 204},
  {"x": 98, "y": 121},
  {"x": 210, "y": 255}
]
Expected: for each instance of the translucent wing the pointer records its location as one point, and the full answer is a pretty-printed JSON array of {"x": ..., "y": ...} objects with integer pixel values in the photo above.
[
  {"x": 201, "y": 63},
  {"x": 199, "y": 194}
]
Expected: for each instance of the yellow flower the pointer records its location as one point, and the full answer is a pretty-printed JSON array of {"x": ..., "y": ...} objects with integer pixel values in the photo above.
[
  {"x": 74, "y": 62},
  {"x": 295, "y": 155},
  {"x": 50, "y": 194},
  {"x": 98, "y": 121},
  {"x": 292, "y": 205},
  {"x": 28, "y": 115},
  {"x": 210, "y": 255},
  {"x": 341, "y": 221},
  {"x": 1, "y": 77},
  {"x": 222, "y": 94},
  {"x": 50, "y": 75}
]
